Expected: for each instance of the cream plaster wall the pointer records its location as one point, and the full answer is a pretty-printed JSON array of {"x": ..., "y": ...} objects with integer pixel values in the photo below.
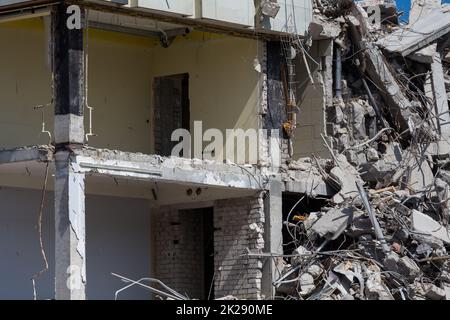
[{"x": 223, "y": 84}]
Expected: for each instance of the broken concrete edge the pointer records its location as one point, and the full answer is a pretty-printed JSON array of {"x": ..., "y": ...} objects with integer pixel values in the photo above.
[
  {"x": 174, "y": 170},
  {"x": 42, "y": 153},
  {"x": 425, "y": 31},
  {"x": 77, "y": 215},
  {"x": 193, "y": 171},
  {"x": 70, "y": 233}
]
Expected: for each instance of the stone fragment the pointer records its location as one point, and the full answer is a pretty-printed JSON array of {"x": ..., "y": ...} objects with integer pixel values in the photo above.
[
  {"x": 429, "y": 227},
  {"x": 307, "y": 285},
  {"x": 333, "y": 223}
]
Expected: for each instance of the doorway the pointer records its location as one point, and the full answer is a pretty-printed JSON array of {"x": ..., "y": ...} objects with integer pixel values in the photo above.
[
  {"x": 171, "y": 97},
  {"x": 198, "y": 226}
]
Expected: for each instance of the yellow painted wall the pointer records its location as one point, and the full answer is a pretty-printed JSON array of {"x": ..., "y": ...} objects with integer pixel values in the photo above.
[
  {"x": 24, "y": 83},
  {"x": 119, "y": 91},
  {"x": 223, "y": 83}
]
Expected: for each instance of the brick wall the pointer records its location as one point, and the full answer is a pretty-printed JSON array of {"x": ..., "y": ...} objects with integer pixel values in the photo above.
[
  {"x": 239, "y": 225},
  {"x": 179, "y": 250}
]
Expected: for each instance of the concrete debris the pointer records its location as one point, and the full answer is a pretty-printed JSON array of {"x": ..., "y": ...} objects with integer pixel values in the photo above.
[
  {"x": 426, "y": 30},
  {"x": 270, "y": 8},
  {"x": 346, "y": 176},
  {"x": 333, "y": 223},
  {"x": 334, "y": 8},
  {"x": 427, "y": 226},
  {"x": 433, "y": 292},
  {"x": 321, "y": 28},
  {"x": 421, "y": 8},
  {"x": 306, "y": 283},
  {"x": 408, "y": 267},
  {"x": 375, "y": 287},
  {"x": 383, "y": 233},
  {"x": 447, "y": 291},
  {"x": 315, "y": 270},
  {"x": 425, "y": 55}
]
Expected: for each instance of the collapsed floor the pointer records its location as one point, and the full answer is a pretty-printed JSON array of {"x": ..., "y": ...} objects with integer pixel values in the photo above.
[{"x": 385, "y": 233}]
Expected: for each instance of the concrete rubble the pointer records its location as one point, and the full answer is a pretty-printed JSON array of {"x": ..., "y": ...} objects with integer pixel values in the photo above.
[{"x": 384, "y": 232}]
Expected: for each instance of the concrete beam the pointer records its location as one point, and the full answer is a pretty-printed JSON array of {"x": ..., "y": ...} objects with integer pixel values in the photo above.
[
  {"x": 391, "y": 92},
  {"x": 310, "y": 186},
  {"x": 422, "y": 8},
  {"x": 70, "y": 237},
  {"x": 273, "y": 237},
  {"x": 172, "y": 170},
  {"x": 9, "y": 5},
  {"x": 23, "y": 154},
  {"x": 440, "y": 96},
  {"x": 429, "y": 28}
]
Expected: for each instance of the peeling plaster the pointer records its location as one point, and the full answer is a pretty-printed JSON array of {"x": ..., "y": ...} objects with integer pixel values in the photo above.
[{"x": 77, "y": 214}]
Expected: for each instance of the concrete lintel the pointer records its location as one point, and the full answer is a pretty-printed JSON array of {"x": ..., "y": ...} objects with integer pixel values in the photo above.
[
  {"x": 173, "y": 170},
  {"x": 23, "y": 154},
  {"x": 310, "y": 186}
]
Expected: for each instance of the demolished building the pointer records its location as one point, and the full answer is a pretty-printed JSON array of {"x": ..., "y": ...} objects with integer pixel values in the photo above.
[
  {"x": 345, "y": 197},
  {"x": 384, "y": 235}
]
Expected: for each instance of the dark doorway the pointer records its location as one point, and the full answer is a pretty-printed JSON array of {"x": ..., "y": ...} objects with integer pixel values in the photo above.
[
  {"x": 171, "y": 94},
  {"x": 198, "y": 246},
  {"x": 295, "y": 204}
]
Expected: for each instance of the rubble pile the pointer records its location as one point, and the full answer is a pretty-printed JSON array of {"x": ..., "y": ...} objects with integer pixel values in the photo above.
[
  {"x": 385, "y": 233},
  {"x": 332, "y": 8}
]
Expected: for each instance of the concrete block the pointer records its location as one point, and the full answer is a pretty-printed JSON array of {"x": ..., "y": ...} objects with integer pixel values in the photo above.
[
  {"x": 433, "y": 292},
  {"x": 428, "y": 226},
  {"x": 333, "y": 223}
]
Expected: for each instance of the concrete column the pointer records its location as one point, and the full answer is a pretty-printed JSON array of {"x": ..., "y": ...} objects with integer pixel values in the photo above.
[
  {"x": 69, "y": 97},
  {"x": 69, "y": 75},
  {"x": 273, "y": 236},
  {"x": 70, "y": 254}
]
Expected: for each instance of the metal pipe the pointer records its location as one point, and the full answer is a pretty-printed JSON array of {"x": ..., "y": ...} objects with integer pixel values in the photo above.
[
  {"x": 172, "y": 295},
  {"x": 338, "y": 72},
  {"x": 375, "y": 106},
  {"x": 373, "y": 219}
]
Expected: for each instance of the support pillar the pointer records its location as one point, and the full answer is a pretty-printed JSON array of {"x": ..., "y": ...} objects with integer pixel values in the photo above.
[
  {"x": 70, "y": 235},
  {"x": 273, "y": 207},
  {"x": 69, "y": 97}
]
